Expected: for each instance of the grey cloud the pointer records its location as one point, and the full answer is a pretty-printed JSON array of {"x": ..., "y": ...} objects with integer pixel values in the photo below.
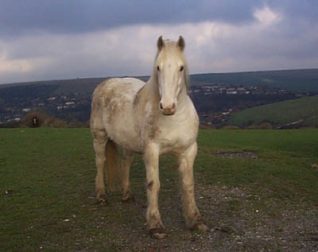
[
  {"x": 76, "y": 16},
  {"x": 81, "y": 38}
]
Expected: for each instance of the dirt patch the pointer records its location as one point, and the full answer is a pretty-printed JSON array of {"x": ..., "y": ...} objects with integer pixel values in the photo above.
[
  {"x": 238, "y": 220},
  {"x": 236, "y": 154},
  {"x": 245, "y": 221},
  {"x": 315, "y": 167}
]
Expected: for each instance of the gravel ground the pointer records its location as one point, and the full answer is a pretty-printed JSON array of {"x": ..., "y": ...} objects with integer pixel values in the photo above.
[{"x": 238, "y": 220}]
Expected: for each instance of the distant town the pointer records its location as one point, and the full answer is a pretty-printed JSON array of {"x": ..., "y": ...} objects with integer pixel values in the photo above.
[{"x": 214, "y": 102}]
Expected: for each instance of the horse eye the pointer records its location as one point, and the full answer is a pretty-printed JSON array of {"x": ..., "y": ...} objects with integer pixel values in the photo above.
[
  {"x": 158, "y": 68},
  {"x": 181, "y": 68}
]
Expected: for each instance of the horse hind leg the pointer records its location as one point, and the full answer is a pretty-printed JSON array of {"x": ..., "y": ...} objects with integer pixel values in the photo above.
[
  {"x": 100, "y": 140},
  {"x": 118, "y": 162},
  {"x": 126, "y": 161}
]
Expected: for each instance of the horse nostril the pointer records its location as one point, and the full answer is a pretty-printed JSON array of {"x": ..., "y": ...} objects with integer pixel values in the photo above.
[
  {"x": 160, "y": 105},
  {"x": 173, "y": 106}
]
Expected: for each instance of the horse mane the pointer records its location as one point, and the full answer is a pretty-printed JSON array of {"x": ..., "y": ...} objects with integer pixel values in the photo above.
[{"x": 186, "y": 76}]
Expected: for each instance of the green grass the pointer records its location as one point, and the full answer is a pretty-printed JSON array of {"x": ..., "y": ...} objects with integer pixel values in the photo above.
[
  {"x": 47, "y": 182},
  {"x": 283, "y": 166},
  {"x": 280, "y": 113}
]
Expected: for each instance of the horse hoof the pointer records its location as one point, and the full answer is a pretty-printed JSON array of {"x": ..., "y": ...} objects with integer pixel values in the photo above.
[
  {"x": 201, "y": 227},
  {"x": 102, "y": 202},
  {"x": 101, "y": 199},
  {"x": 157, "y": 233},
  {"x": 128, "y": 199}
]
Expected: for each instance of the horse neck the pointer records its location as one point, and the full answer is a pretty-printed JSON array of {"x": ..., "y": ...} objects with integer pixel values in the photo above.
[{"x": 153, "y": 86}]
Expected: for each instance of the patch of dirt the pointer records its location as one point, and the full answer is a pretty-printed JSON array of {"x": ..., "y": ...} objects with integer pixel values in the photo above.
[
  {"x": 244, "y": 221},
  {"x": 236, "y": 154},
  {"x": 238, "y": 220},
  {"x": 315, "y": 167}
]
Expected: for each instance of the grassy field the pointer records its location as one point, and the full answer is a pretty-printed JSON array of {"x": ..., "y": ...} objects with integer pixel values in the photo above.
[
  {"x": 280, "y": 113},
  {"x": 257, "y": 190}
]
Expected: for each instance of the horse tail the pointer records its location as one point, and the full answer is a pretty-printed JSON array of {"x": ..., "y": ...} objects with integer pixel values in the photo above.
[{"x": 112, "y": 166}]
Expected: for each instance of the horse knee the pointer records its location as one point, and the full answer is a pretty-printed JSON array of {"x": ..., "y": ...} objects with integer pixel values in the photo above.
[
  {"x": 153, "y": 186},
  {"x": 99, "y": 137}
]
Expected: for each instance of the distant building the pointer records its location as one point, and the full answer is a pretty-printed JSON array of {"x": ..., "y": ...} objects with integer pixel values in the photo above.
[
  {"x": 69, "y": 103},
  {"x": 26, "y": 110},
  {"x": 231, "y": 91}
]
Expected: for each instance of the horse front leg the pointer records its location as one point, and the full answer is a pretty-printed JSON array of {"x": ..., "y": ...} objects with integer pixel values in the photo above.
[
  {"x": 154, "y": 223},
  {"x": 191, "y": 212}
]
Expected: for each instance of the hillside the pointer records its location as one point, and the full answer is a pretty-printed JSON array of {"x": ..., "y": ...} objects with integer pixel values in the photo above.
[
  {"x": 302, "y": 111},
  {"x": 215, "y": 96},
  {"x": 293, "y": 80},
  {"x": 52, "y": 87}
]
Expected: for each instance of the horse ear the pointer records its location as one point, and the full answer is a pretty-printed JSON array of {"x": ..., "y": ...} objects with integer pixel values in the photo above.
[
  {"x": 181, "y": 43},
  {"x": 160, "y": 43}
]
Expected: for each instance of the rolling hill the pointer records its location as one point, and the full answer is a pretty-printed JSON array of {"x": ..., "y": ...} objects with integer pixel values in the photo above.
[
  {"x": 214, "y": 94},
  {"x": 292, "y": 80},
  {"x": 303, "y": 80},
  {"x": 302, "y": 112}
]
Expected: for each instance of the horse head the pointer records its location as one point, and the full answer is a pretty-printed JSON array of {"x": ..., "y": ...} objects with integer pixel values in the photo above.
[{"x": 171, "y": 70}]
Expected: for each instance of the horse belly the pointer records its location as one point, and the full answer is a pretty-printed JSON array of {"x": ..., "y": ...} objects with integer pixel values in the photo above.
[
  {"x": 118, "y": 117},
  {"x": 122, "y": 131}
]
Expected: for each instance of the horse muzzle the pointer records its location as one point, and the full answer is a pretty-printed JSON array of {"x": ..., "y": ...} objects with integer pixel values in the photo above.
[{"x": 167, "y": 110}]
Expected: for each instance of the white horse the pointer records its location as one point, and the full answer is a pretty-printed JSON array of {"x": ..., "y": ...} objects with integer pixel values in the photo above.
[{"x": 151, "y": 118}]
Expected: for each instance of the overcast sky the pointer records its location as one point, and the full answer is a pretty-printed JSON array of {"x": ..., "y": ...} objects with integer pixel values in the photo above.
[{"x": 60, "y": 39}]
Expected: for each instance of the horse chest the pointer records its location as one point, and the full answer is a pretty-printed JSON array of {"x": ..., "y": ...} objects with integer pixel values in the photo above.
[{"x": 176, "y": 134}]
